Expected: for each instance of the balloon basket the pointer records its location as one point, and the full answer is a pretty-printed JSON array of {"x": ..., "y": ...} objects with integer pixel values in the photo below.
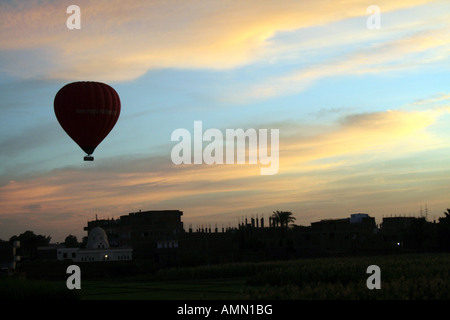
[{"x": 89, "y": 158}]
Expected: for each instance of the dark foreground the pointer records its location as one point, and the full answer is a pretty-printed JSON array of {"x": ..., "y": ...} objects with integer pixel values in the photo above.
[{"x": 402, "y": 277}]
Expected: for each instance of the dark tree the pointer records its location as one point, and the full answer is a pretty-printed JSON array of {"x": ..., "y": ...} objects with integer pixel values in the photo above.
[
  {"x": 282, "y": 218},
  {"x": 444, "y": 231},
  {"x": 29, "y": 243},
  {"x": 71, "y": 241}
]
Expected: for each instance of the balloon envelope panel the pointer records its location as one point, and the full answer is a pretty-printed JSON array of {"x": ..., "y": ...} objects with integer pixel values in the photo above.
[{"x": 87, "y": 111}]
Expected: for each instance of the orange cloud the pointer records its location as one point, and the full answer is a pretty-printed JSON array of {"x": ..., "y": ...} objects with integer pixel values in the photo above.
[
  {"x": 122, "y": 40},
  {"x": 309, "y": 172},
  {"x": 384, "y": 133}
]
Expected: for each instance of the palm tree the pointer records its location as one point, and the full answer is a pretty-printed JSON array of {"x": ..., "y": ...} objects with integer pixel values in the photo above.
[
  {"x": 444, "y": 231},
  {"x": 283, "y": 218}
]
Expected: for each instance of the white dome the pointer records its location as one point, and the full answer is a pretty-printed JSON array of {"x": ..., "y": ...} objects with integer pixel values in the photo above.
[{"x": 97, "y": 239}]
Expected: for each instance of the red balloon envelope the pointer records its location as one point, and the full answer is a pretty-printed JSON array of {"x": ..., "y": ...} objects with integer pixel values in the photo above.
[{"x": 87, "y": 111}]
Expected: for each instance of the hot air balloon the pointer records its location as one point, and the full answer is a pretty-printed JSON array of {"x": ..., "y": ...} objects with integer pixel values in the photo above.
[{"x": 87, "y": 111}]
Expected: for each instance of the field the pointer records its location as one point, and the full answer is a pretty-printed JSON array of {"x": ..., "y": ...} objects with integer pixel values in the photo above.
[
  {"x": 201, "y": 289},
  {"x": 415, "y": 276}
]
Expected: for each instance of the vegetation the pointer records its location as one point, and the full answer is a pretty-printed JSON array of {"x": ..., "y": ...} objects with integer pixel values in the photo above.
[
  {"x": 418, "y": 276},
  {"x": 444, "y": 231},
  {"x": 29, "y": 242},
  {"x": 424, "y": 276},
  {"x": 12, "y": 288},
  {"x": 71, "y": 241},
  {"x": 412, "y": 276},
  {"x": 282, "y": 218}
]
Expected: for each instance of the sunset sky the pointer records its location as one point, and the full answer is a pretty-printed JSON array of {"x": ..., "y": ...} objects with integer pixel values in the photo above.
[{"x": 363, "y": 114}]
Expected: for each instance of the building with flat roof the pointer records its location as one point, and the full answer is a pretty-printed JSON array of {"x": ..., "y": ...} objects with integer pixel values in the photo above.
[
  {"x": 97, "y": 249},
  {"x": 145, "y": 231}
]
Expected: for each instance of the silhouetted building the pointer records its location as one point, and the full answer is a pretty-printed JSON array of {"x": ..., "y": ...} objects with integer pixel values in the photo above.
[
  {"x": 356, "y": 234},
  {"x": 97, "y": 249},
  {"x": 408, "y": 234},
  {"x": 159, "y": 236},
  {"x": 208, "y": 247},
  {"x": 145, "y": 231}
]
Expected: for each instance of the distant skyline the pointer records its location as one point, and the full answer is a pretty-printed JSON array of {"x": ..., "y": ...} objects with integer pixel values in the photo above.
[{"x": 363, "y": 115}]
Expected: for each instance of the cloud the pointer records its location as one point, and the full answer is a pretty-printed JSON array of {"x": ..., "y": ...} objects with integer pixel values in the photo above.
[
  {"x": 123, "y": 40},
  {"x": 30, "y": 138},
  {"x": 358, "y": 158},
  {"x": 406, "y": 53},
  {"x": 313, "y": 166},
  {"x": 437, "y": 99},
  {"x": 361, "y": 137}
]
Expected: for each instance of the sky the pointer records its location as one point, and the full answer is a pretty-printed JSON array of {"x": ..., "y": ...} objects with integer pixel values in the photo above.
[{"x": 362, "y": 111}]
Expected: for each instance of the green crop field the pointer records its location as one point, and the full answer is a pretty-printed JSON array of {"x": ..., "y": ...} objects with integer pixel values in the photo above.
[
  {"x": 420, "y": 276},
  {"x": 414, "y": 276}
]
